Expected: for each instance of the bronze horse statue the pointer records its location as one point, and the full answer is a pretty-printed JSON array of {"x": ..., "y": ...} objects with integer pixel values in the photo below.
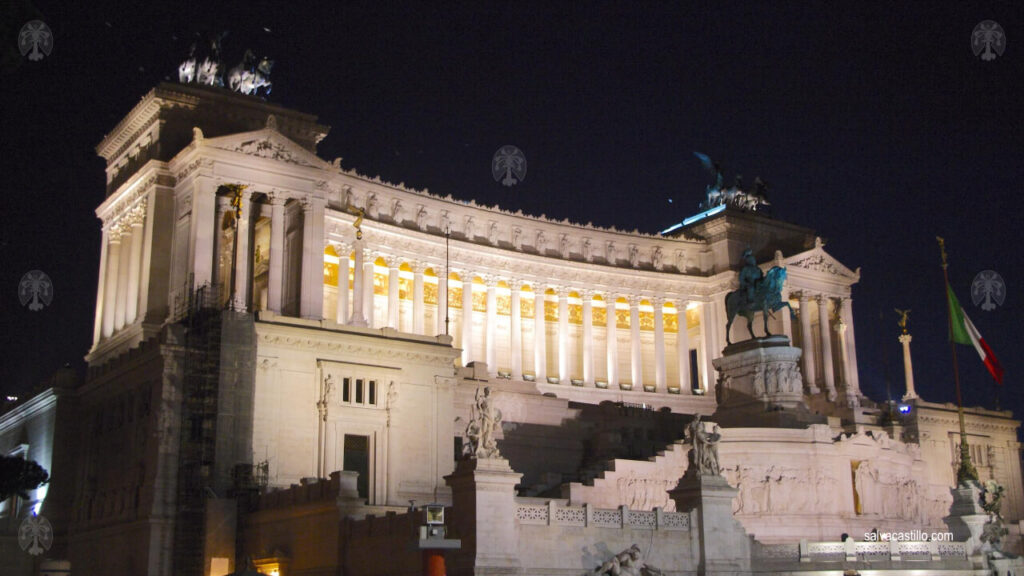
[{"x": 767, "y": 299}]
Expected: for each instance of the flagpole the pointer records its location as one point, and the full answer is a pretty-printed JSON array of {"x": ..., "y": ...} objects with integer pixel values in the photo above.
[{"x": 965, "y": 472}]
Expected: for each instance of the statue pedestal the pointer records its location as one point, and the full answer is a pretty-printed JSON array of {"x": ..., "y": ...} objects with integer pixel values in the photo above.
[
  {"x": 760, "y": 385},
  {"x": 483, "y": 516},
  {"x": 724, "y": 544},
  {"x": 967, "y": 518}
]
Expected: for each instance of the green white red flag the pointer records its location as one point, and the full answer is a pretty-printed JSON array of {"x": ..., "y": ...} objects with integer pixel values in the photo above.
[{"x": 962, "y": 331}]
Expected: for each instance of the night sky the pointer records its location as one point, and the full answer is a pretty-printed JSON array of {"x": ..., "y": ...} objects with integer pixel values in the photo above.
[{"x": 877, "y": 127}]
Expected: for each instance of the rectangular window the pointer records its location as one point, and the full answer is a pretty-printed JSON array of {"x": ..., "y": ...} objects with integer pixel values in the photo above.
[
  {"x": 371, "y": 393},
  {"x": 345, "y": 390},
  {"x": 359, "y": 391}
]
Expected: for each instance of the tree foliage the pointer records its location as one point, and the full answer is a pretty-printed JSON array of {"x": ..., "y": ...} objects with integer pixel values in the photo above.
[{"x": 18, "y": 476}]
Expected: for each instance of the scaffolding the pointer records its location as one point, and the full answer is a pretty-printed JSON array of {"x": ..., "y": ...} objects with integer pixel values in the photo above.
[{"x": 200, "y": 314}]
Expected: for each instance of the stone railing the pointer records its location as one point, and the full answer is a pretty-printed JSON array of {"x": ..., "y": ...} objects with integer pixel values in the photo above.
[
  {"x": 891, "y": 551},
  {"x": 553, "y": 514}
]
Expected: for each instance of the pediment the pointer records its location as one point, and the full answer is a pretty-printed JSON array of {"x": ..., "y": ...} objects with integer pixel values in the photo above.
[
  {"x": 818, "y": 260},
  {"x": 267, "y": 143}
]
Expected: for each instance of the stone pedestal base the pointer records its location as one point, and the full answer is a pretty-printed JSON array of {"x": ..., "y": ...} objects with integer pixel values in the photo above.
[
  {"x": 967, "y": 518},
  {"x": 483, "y": 516},
  {"x": 760, "y": 385},
  {"x": 724, "y": 545}
]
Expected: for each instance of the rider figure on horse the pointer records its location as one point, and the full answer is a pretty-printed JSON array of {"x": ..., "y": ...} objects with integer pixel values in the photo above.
[{"x": 750, "y": 275}]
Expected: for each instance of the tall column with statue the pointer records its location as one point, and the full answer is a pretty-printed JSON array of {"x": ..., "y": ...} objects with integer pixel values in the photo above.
[{"x": 908, "y": 367}]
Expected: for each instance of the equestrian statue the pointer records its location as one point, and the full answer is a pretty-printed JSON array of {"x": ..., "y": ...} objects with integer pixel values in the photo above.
[{"x": 758, "y": 292}]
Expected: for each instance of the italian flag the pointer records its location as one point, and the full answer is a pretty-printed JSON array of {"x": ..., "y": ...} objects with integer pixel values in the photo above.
[{"x": 964, "y": 332}]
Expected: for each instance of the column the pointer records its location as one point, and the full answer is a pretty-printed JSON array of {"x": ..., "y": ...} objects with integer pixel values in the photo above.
[
  {"x": 850, "y": 398},
  {"x": 358, "y": 286},
  {"x": 101, "y": 301},
  {"x": 442, "y": 301},
  {"x": 636, "y": 361},
  {"x": 852, "y": 376},
  {"x": 828, "y": 373},
  {"x": 110, "y": 280},
  {"x": 311, "y": 304},
  {"x": 417, "y": 298},
  {"x": 341, "y": 308},
  {"x": 807, "y": 341},
  {"x": 683, "y": 348},
  {"x": 134, "y": 268},
  {"x": 243, "y": 259},
  {"x": 275, "y": 271},
  {"x": 707, "y": 337},
  {"x": 393, "y": 295},
  {"x": 369, "y": 300},
  {"x": 588, "y": 337},
  {"x": 787, "y": 320},
  {"x": 908, "y": 368},
  {"x": 205, "y": 229},
  {"x": 659, "y": 345},
  {"x": 613, "y": 343},
  {"x": 516, "y": 328},
  {"x": 120, "y": 306},
  {"x": 467, "y": 317},
  {"x": 540, "y": 368},
  {"x": 492, "y": 323},
  {"x": 563, "y": 335}
]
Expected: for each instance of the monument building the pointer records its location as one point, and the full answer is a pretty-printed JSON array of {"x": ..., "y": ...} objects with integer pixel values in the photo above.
[{"x": 290, "y": 359}]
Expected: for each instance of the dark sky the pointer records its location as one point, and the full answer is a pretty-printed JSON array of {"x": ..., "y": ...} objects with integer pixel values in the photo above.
[{"x": 878, "y": 127}]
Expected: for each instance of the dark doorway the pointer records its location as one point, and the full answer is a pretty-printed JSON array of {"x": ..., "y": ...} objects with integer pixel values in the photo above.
[{"x": 357, "y": 459}]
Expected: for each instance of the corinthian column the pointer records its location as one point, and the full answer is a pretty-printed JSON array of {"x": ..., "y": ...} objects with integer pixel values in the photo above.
[
  {"x": 112, "y": 272},
  {"x": 467, "y": 317},
  {"x": 588, "y": 337},
  {"x": 341, "y": 309},
  {"x": 369, "y": 298},
  {"x": 100, "y": 287},
  {"x": 275, "y": 271},
  {"x": 540, "y": 353},
  {"x": 827, "y": 368},
  {"x": 613, "y": 343},
  {"x": 135, "y": 266},
  {"x": 516, "y": 327},
  {"x": 492, "y": 323},
  {"x": 683, "y": 347},
  {"x": 311, "y": 304},
  {"x": 393, "y": 296},
  {"x": 442, "y": 302},
  {"x": 417, "y": 298},
  {"x": 908, "y": 368},
  {"x": 359, "y": 286},
  {"x": 850, "y": 391},
  {"x": 807, "y": 340},
  {"x": 563, "y": 334},
  {"x": 659, "y": 345},
  {"x": 636, "y": 360},
  {"x": 243, "y": 259}
]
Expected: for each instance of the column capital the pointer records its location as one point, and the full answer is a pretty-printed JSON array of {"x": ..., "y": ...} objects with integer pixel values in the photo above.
[
  {"x": 804, "y": 296},
  {"x": 418, "y": 267},
  {"x": 515, "y": 284},
  {"x": 491, "y": 280},
  {"x": 393, "y": 261},
  {"x": 311, "y": 202},
  {"x": 657, "y": 302},
  {"x": 905, "y": 338},
  {"x": 277, "y": 198},
  {"x": 562, "y": 292},
  {"x": 465, "y": 275},
  {"x": 586, "y": 294},
  {"x": 680, "y": 303},
  {"x": 633, "y": 300},
  {"x": 822, "y": 299}
]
